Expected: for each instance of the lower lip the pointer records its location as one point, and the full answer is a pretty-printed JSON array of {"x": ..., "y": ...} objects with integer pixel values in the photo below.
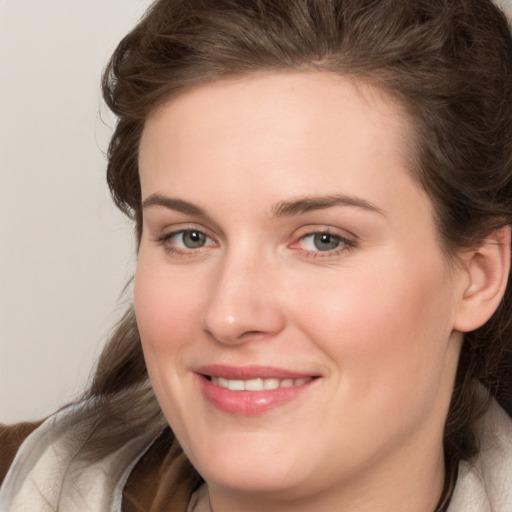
[{"x": 250, "y": 403}]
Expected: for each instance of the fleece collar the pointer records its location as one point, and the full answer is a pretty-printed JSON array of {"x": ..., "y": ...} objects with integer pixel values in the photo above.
[
  {"x": 485, "y": 485},
  {"x": 47, "y": 476}
]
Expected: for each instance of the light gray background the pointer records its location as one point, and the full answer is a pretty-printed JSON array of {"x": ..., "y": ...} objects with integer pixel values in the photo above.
[{"x": 65, "y": 253}]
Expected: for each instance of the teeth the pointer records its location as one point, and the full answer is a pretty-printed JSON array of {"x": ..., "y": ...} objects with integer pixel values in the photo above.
[
  {"x": 270, "y": 383},
  {"x": 236, "y": 385},
  {"x": 254, "y": 385},
  {"x": 258, "y": 384}
]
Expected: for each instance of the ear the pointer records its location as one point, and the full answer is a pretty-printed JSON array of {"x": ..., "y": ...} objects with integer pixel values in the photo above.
[{"x": 486, "y": 270}]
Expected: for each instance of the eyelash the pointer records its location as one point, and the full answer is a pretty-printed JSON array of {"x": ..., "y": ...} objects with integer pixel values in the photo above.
[{"x": 346, "y": 244}]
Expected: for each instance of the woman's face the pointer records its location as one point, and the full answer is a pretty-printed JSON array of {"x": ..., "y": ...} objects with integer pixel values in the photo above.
[{"x": 295, "y": 307}]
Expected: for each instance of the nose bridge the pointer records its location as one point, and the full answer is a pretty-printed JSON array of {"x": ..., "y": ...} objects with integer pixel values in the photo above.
[{"x": 242, "y": 301}]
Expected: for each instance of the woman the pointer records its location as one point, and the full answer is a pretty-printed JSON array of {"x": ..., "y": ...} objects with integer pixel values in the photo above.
[{"x": 322, "y": 197}]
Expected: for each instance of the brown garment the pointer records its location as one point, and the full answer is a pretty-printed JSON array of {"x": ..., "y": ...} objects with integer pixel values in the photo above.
[{"x": 162, "y": 481}]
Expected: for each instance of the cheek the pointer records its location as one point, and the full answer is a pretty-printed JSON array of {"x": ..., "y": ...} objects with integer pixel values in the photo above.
[
  {"x": 163, "y": 303},
  {"x": 166, "y": 310},
  {"x": 386, "y": 329}
]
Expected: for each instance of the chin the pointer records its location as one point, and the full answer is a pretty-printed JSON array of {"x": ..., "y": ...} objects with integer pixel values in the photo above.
[{"x": 253, "y": 468}]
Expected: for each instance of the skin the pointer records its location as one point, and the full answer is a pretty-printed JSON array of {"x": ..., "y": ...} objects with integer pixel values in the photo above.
[{"x": 375, "y": 318}]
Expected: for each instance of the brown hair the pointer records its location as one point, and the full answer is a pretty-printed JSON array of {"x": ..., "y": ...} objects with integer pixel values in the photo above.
[{"x": 449, "y": 63}]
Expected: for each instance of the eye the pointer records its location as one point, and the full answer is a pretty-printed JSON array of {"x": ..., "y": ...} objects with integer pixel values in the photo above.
[
  {"x": 185, "y": 240},
  {"x": 324, "y": 242}
]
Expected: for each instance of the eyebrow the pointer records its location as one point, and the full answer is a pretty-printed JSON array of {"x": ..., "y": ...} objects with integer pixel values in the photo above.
[
  {"x": 172, "y": 204},
  {"x": 286, "y": 208},
  {"x": 308, "y": 203}
]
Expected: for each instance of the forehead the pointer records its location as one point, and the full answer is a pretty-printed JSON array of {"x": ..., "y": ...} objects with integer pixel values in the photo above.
[
  {"x": 264, "y": 97},
  {"x": 286, "y": 133}
]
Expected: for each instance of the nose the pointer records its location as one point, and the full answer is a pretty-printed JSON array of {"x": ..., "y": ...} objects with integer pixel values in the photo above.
[{"x": 243, "y": 303}]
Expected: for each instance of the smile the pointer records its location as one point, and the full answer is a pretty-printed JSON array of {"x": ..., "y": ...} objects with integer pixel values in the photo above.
[
  {"x": 252, "y": 390},
  {"x": 258, "y": 384}
]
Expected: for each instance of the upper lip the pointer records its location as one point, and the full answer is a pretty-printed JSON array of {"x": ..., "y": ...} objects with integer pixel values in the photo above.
[{"x": 250, "y": 372}]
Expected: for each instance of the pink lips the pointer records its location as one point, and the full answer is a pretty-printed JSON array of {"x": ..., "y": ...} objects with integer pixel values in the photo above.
[{"x": 248, "y": 403}]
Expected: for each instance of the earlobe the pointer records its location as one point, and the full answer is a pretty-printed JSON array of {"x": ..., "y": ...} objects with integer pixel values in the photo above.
[{"x": 486, "y": 270}]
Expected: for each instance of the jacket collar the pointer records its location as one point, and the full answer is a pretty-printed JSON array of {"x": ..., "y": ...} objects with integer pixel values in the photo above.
[
  {"x": 46, "y": 474},
  {"x": 485, "y": 485}
]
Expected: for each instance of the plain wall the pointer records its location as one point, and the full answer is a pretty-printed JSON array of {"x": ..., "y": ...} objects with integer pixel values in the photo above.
[{"x": 65, "y": 252}]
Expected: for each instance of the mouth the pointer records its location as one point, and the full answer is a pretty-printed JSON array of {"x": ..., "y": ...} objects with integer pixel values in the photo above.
[{"x": 252, "y": 390}]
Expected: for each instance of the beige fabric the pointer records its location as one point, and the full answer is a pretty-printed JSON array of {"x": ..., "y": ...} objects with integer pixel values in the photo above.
[
  {"x": 486, "y": 485},
  {"x": 46, "y": 475}
]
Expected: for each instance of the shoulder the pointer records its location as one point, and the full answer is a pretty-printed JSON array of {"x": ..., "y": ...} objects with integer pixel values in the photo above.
[
  {"x": 485, "y": 483},
  {"x": 11, "y": 438}
]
